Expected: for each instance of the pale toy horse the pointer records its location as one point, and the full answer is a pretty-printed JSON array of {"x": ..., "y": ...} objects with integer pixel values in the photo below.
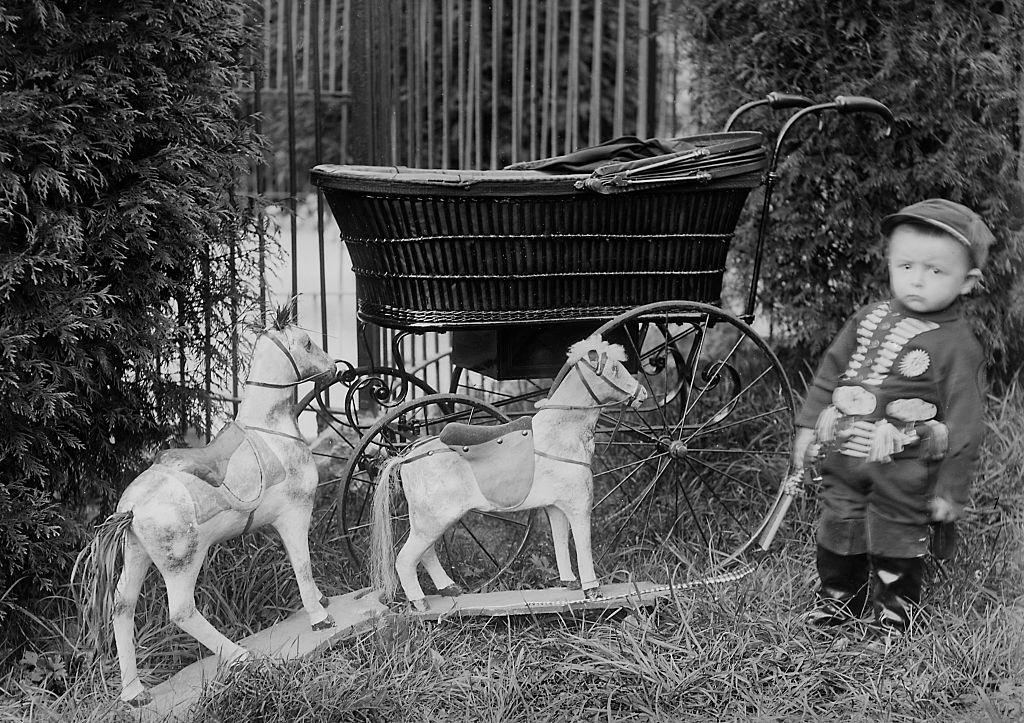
[
  {"x": 508, "y": 467},
  {"x": 257, "y": 471}
]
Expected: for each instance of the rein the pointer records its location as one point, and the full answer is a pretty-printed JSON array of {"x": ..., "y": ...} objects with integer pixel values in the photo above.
[
  {"x": 596, "y": 369},
  {"x": 265, "y": 430},
  {"x": 291, "y": 360}
]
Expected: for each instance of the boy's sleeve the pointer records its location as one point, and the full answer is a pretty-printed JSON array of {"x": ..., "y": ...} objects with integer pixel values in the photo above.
[
  {"x": 963, "y": 399},
  {"x": 832, "y": 365}
]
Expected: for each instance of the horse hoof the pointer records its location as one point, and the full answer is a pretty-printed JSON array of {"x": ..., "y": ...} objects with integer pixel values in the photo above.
[
  {"x": 325, "y": 624},
  {"x": 573, "y": 584},
  {"x": 452, "y": 590},
  {"x": 592, "y": 593},
  {"x": 420, "y": 605},
  {"x": 143, "y": 698}
]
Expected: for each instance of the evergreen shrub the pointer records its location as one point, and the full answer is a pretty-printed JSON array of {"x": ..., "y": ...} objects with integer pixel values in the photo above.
[{"x": 121, "y": 142}]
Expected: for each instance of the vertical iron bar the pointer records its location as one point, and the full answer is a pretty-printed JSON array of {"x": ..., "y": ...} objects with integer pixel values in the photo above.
[
  {"x": 596, "y": 56},
  {"x": 643, "y": 66},
  {"x": 446, "y": 58},
  {"x": 428, "y": 52},
  {"x": 318, "y": 150},
  {"x": 496, "y": 51},
  {"x": 207, "y": 344},
  {"x": 346, "y": 88},
  {"x": 572, "y": 89},
  {"x": 620, "y": 72},
  {"x": 261, "y": 178},
  {"x": 534, "y": 69},
  {"x": 292, "y": 175}
]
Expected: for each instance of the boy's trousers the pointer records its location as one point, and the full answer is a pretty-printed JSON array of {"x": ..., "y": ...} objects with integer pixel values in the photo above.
[{"x": 879, "y": 509}]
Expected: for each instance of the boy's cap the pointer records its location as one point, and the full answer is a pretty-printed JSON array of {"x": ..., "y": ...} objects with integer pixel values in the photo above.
[{"x": 957, "y": 220}]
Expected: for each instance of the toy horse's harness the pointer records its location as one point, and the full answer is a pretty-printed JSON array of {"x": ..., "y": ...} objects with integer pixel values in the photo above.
[
  {"x": 597, "y": 368},
  {"x": 299, "y": 379}
]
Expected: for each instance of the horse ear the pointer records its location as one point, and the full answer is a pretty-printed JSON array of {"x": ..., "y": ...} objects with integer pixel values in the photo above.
[{"x": 593, "y": 356}]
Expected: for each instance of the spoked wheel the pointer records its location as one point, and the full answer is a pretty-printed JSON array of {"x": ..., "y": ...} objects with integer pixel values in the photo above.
[
  {"x": 689, "y": 479},
  {"x": 387, "y": 388},
  {"x": 476, "y": 550}
]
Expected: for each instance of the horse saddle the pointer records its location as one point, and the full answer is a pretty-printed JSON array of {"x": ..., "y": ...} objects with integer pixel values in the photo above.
[
  {"x": 231, "y": 472},
  {"x": 500, "y": 457}
]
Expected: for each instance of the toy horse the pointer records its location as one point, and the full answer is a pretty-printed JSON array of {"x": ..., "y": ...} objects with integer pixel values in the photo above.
[
  {"x": 257, "y": 471},
  {"x": 525, "y": 464}
]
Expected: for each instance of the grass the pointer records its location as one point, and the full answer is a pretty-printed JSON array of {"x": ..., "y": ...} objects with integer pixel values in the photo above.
[{"x": 733, "y": 652}]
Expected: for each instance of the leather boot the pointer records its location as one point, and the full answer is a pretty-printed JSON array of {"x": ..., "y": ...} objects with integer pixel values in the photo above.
[
  {"x": 843, "y": 594},
  {"x": 897, "y": 591}
]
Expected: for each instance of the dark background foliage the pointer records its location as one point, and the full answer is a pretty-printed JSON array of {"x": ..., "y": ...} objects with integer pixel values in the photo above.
[
  {"x": 948, "y": 70},
  {"x": 120, "y": 144}
]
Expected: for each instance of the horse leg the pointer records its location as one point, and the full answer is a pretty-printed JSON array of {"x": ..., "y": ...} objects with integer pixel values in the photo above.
[
  {"x": 133, "y": 572},
  {"x": 181, "y": 604},
  {"x": 560, "y": 536},
  {"x": 294, "y": 531},
  {"x": 405, "y": 564},
  {"x": 579, "y": 520},
  {"x": 438, "y": 575}
]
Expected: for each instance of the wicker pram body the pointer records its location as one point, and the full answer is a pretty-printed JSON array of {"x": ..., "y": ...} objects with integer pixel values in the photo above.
[{"x": 455, "y": 249}]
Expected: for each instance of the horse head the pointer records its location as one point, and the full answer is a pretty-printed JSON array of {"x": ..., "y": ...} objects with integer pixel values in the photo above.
[
  {"x": 599, "y": 378},
  {"x": 285, "y": 356}
]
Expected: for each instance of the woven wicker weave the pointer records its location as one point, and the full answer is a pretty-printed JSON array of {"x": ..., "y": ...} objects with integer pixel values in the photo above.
[{"x": 456, "y": 249}]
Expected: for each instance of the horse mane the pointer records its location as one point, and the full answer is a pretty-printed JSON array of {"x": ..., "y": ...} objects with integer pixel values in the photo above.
[
  {"x": 283, "y": 315},
  {"x": 594, "y": 342}
]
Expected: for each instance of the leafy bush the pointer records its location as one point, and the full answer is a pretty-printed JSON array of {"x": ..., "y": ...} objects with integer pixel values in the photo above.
[
  {"x": 950, "y": 73},
  {"x": 120, "y": 144}
]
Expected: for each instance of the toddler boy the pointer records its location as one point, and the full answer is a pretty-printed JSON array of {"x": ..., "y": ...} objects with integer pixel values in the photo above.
[{"x": 896, "y": 406}]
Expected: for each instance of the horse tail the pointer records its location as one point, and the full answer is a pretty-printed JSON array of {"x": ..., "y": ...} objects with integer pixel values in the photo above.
[
  {"x": 382, "y": 542},
  {"x": 97, "y": 566}
]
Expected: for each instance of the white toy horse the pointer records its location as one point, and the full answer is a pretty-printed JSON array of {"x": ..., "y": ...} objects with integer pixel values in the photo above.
[
  {"x": 529, "y": 463},
  {"x": 257, "y": 471}
]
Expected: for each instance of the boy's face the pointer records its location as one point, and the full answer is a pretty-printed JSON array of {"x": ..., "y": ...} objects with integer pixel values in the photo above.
[{"x": 928, "y": 271}]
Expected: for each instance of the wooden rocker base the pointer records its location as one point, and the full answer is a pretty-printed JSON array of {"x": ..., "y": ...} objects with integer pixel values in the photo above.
[
  {"x": 534, "y": 602},
  {"x": 291, "y": 638}
]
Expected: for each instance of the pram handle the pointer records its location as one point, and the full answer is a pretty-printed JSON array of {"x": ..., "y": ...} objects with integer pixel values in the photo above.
[
  {"x": 774, "y": 100},
  {"x": 842, "y": 104},
  {"x": 862, "y": 104}
]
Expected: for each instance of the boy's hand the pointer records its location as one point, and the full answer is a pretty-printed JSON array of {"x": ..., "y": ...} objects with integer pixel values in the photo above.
[
  {"x": 803, "y": 441},
  {"x": 943, "y": 510}
]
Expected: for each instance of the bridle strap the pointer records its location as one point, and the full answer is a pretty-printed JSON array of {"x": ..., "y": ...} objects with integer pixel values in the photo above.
[
  {"x": 299, "y": 379},
  {"x": 271, "y": 431},
  {"x": 593, "y": 395}
]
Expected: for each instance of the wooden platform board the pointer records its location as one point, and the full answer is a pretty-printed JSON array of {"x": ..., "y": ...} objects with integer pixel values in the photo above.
[
  {"x": 359, "y": 611},
  {"x": 534, "y": 602},
  {"x": 290, "y": 638}
]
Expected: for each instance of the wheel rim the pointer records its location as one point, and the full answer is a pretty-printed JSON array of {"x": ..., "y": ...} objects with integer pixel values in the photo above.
[
  {"x": 476, "y": 550},
  {"x": 387, "y": 388},
  {"x": 690, "y": 477}
]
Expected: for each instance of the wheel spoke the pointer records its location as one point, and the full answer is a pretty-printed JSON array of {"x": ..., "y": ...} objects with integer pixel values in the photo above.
[
  {"x": 639, "y": 465},
  {"x": 730, "y": 425},
  {"x": 731, "y": 402},
  {"x": 636, "y": 504},
  {"x": 502, "y": 518},
  {"x": 721, "y": 363},
  {"x": 463, "y": 525},
  {"x": 714, "y": 493}
]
